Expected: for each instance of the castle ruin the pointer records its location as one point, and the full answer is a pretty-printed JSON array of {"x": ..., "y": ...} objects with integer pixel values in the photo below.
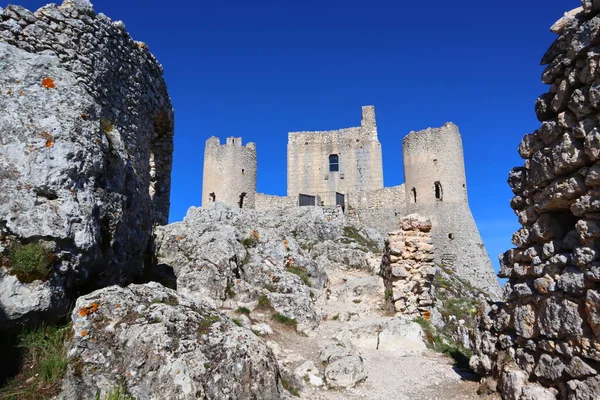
[{"x": 344, "y": 168}]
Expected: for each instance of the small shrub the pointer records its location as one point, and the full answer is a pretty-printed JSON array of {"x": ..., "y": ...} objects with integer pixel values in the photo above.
[
  {"x": 257, "y": 333},
  {"x": 243, "y": 310},
  {"x": 301, "y": 273},
  {"x": 30, "y": 262},
  {"x": 282, "y": 319},
  {"x": 336, "y": 317},
  {"x": 229, "y": 292},
  {"x": 170, "y": 301},
  {"x": 356, "y": 301},
  {"x": 250, "y": 242},
  {"x": 237, "y": 321}
]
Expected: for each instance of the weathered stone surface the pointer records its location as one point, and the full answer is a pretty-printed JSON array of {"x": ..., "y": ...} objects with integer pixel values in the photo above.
[
  {"x": 155, "y": 340},
  {"x": 231, "y": 256},
  {"x": 549, "y": 367},
  {"x": 584, "y": 390},
  {"x": 78, "y": 166},
  {"x": 592, "y": 310},
  {"x": 578, "y": 369}
]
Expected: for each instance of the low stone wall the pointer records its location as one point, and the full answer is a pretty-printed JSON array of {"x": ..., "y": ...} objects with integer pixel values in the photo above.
[
  {"x": 269, "y": 202},
  {"x": 407, "y": 268},
  {"x": 544, "y": 342},
  {"x": 378, "y": 209}
]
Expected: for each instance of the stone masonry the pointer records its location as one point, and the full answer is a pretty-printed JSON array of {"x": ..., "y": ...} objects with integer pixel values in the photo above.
[
  {"x": 544, "y": 342},
  {"x": 407, "y": 267},
  {"x": 229, "y": 173},
  {"x": 359, "y": 166},
  {"x": 86, "y": 143}
]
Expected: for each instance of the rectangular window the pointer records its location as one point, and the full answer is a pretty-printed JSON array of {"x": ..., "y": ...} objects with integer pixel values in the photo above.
[{"x": 334, "y": 163}]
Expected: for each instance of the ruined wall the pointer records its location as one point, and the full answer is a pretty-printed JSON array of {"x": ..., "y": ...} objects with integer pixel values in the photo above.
[
  {"x": 379, "y": 209},
  {"x": 86, "y": 142},
  {"x": 408, "y": 268},
  {"x": 435, "y": 184},
  {"x": 545, "y": 340},
  {"x": 270, "y": 202},
  {"x": 229, "y": 173},
  {"x": 360, "y": 162}
]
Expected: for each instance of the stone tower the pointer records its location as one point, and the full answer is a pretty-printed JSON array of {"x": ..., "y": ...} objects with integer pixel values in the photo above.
[
  {"x": 229, "y": 173},
  {"x": 435, "y": 184},
  {"x": 345, "y": 160}
]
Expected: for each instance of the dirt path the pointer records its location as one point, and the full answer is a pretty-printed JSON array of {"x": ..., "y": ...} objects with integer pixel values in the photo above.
[{"x": 401, "y": 368}]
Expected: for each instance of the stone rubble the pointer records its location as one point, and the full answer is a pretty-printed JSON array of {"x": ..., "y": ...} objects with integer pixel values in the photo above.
[{"x": 544, "y": 341}]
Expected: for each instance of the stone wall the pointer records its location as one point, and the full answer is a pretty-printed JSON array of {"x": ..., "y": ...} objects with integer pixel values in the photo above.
[
  {"x": 229, "y": 173},
  {"x": 86, "y": 141},
  {"x": 545, "y": 340},
  {"x": 435, "y": 184},
  {"x": 360, "y": 161},
  {"x": 270, "y": 202},
  {"x": 378, "y": 209},
  {"x": 407, "y": 267}
]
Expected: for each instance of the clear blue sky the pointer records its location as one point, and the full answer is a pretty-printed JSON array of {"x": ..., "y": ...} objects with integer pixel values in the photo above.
[{"x": 259, "y": 69}]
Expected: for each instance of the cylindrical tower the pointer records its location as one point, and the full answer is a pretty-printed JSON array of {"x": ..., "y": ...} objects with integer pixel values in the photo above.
[
  {"x": 229, "y": 173},
  {"x": 436, "y": 187},
  {"x": 434, "y": 167}
]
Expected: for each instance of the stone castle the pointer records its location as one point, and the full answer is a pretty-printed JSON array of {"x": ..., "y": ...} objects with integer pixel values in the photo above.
[{"x": 344, "y": 168}]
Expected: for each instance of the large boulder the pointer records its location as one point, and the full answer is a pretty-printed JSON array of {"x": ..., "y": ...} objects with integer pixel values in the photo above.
[
  {"x": 152, "y": 342},
  {"x": 85, "y": 153}
]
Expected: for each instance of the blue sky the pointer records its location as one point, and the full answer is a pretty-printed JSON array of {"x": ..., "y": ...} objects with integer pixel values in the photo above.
[{"x": 259, "y": 69}]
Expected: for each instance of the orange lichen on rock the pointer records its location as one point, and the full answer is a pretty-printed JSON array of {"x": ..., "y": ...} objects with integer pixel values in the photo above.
[
  {"x": 85, "y": 311},
  {"x": 49, "y": 139},
  {"x": 427, "y": 315},
  {"x": 22, "y": 93},
  {"x": 84, "y": 117},
  {"x": 48, "y": 83},
  {"x": 84, "y": 333},
  {"x": 180, "y": 238}
]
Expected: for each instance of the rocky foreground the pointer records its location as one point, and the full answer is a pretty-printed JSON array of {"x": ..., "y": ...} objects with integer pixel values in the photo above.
[{"x": 268, "y": 305}]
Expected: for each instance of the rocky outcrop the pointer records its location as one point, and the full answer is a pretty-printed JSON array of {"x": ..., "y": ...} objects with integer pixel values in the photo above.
[
  {"x": 85, "y": 153},
  {"x": 151, "y": 342},
  {"x": 545, "y": 338},
  {"x": 231, "y": 257}
]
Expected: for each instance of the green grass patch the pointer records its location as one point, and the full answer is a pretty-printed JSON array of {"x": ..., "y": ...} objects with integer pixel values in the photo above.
[
  {"x": 270, "y": 287},
  {"x": 44, "y": 364},
  {"x": 263, "y": 302},
  {"x": 287, "y": 385},
  {"x": 249, "y": 242},
  {"x": 237, "y": 321},
  {"x": 118, "y": 393},
  {"x": 30, "y": 262},
  {"x": 206, "y": 323},
  {"x": 243, "y": 310},
  {"x": 357, "y": 301},
  {"x": 336, "y": 317},
  {"x": 170, "y": 301},
  {"x": 282, "y": 319},
  {"x": 301, "y": 273},
  {"x": 106, "y": 125},
  {"x": 352, "y": 233},
  {"x": 443, "y": 344},
  {"x": 229, "y": 292}
]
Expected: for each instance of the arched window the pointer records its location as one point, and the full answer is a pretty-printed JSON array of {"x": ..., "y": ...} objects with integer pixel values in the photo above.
[
  {"x": 334, "y": 163},
  {"x": 213, "y": 197},
  {"x": 242, "y": 197},
  {"x": 438, "y": 191},
  {"x": 414, "y": 193}
]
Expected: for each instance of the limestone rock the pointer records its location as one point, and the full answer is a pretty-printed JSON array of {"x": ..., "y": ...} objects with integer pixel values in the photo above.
[
  {"x": 78, "y": 167},
  {"x": 155, "y": 340}
]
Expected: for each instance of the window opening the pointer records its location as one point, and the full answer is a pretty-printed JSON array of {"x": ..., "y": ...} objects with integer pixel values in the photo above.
[
  {"x": 213, "y": 197},
  {"x": 451, "y": 236},
  {"x": 414, "y": 193},
  {"x": 438, "y": 191},
  {"x": 242, "y": 197},
  {"x": 334, "y": 163},
  {"x": 243, "y": 170}
]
